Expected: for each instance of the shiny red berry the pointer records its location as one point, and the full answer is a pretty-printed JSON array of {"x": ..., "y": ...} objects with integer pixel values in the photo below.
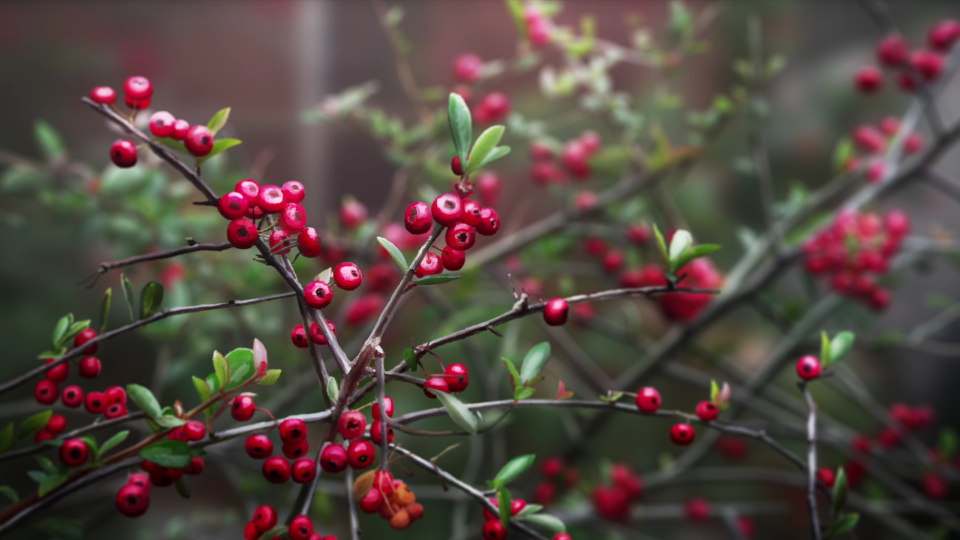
[
  {"x": 648, "y": 400},
  {"x": 299, "y": 337},
  {"x": 138, "y": 87},
  {"x": 417, "y": 218},
  {"x": 136, "y": 104},
  {"x": 293, "y": 191},
  {"x": 808, "y": 367},
  {"x": 161, "y": 124},
  {"x": 242, "y": 408},
  {"x": 376, "y": 433},
  {"x": 388, "y": 403},
  {"x": 347, "y": 276},
  {"x": 295, "y": 449},
  {"x": 352, "y": 424},
  {"x": 468, "y": 67},
  {"x": 333, "y": 458},
  {"x": 446, "y": 209},
  {"x": 58, "y": 373},
  {"x": 682, "y": 434},
  {"x": 430, "y": 265},
  {"x": 435, "y": 383},
  {"x": 46, "y": 392},
  {"x": 471, "y": 213},
  {"x": 318, "y": 294},
  {"x": 85, "y": 336},
  {"x": 74, "y": 452},
  {"x": 555, "y": 311},
  {"x": 293, "y": 218},
  {"x": 456, "y": 166},
  {"x": 195, "y": 467},
  {"x": 123, "y": 153},
  {"x": 317, "y": 336},
  {"x": 893, "y": 51},
  {"x": 250, "y": 189},
  {"x": 115, "y": 410},
  {"x": 270, "y": 199},
  {"x": 493, "y": 530},
  {"x": 461, "y": 236},
  {"x": 707, "y": 411},
  {"x": 242, "y": 233},
  {"x": 457, "y": 377},
  {"x": 264, "y": 518},
  {"x": 453, "y": 259},
  {"x": 361, "y": 453},
  {"x": 276, "y": 470},
  {"x": 293, "y": 430},
  {"x": 56, "y": 423},
  {"x": 95, "y": 403},
  {"x": 89, "y": 367},
  {"x": 300, "y": 528},
  {"x": 195, "y": 430},
  {"x": 304, "y": 470},
  {"x": 308, "y": 242},
  {"x": 277, "y": 237},
  {"x": 104, "y": 95},
  {"x": 199, "y": 141},
  {"x": 141, "y": 480},
  {"x": 180, "y": 130},
  {"x": 72, "y": 396},
  {"x": 353, "y": 213},
  {"x": 132, "y": 500},
  {"x": 489, "y": 222},
  {"x": 868, "y": 80},
  {"x": 115, "y": 394},
  {"x": 258, "y": 446}
]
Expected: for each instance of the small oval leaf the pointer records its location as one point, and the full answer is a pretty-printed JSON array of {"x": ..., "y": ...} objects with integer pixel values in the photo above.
[
  {"x": 169, "y": 453},
  {"x": 547, "y": 521},
  {"x": 459, "y": 412},
  {"x": 394, "y": 252},
  {"x": 151, "y": 296},
  {"x": 105, "y": 308},
  {"x": 128, "y": 294},
  {"x": 437, "y": 279},
  {"x": 486, "y": 142},
  {"x": 461, "y": 126},
  {"x": 144, "y": 399},
  {"x": 513, "y": 469},
  {"x": 534, "y": 361}
]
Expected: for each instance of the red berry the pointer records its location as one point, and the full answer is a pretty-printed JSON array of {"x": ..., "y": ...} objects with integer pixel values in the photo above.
[
  {"x": 944, "y": 35},
  {"x": 429, "y": 266},
  {"x": 199, "y": 141},
  {"x": 493, "y": 107},
  {"x": 276, "y": 470},
  {"x": 299, "y": 337},
  {"x": 161, "y": 124},
  {"x": 376, "y": 432},
  {"x": 242, "y": 408},
  {"x": 258, "y": 446},
  {"x": 493, "y": 530},
  {"x": 353, "y": 213},
  {"x": 141, "y": 480},
  {"x": 372, "y": 502},
  {"x": 388, "y": 403},
  {"x": 195, "y": 467},
  {"x": 104, "y": 95},
  {"x": 893, "y": 51},
  {"x": 352, "y": 424},
  {"x": 707, "y": 411},
  {"x": 928, "y": 63},
  {"x": 461, "y": 236},
  {"x": 85, "y": 336},
  {"x": 308, "y": 242},
  {"x": 180, "y": 129},
  {"x": 295, "y": 449},
  {"x": 163, "y": 476},
  {"x": 194, "y": 430},
  {"x": 72, "y": 396},
  {"x": 132, "y": 500},
  {"x": 43, "y": 435},
  {"x": 897, "y": 223},
  {"x": 317, "y": 336},
  {"x": 333, "y": 458},
  {"x": 123, "y": 153},
  {"x": 574, "y": 158},
  {"x": 471, "y": 213},
  {"x": 318, "y": 294},
  {"x": 697, "y": 510},
  {"x": 242, "y": 233},
  {"x": 250, "y": 189},
  {"x": 300, "y": 528},
  {"x": 648, "y": 399},
  {"x": 453, "y": 259},
  {"x": 489, "y": 222},
  {"x": 488, "y": 187},
  {"x": 270, "y": 199},
  {"x": 435, "y": 383},
  {"x": 590, "y": 141},
  {"x": 808, "y": 367},
  {"x": 868, "y": 79},
  {"x": 56, "y": 424},
  {"x": 304, "y": 470},
  {"x": 95, "y": 403},
  {"x": 869, "y": 139},
  {"x": 935, "y": 486},
  {"x": 136, "y": 104},
  {"x": 277, "y": 237},
  {"x": 447, "y": 209},
  {"x": 264, "y": 518},
  {"x": 115, "y": 410},
  {"x": 516, "y": 506},
  {"x": 293, "y": 430},
  {"x": 913, "y": 144},
  {"x": 826, "y": 476},
  {"x": 468, "y": 67},
  {"x": 613, "y": 261},
  {"x": 115, "y": 394},
  {"x": 682, "y": 434},
  {"x": 417, "y": 218},
  {"x": 625, "y": 480},
  {"x": 74, "y": 452},
  {"x": 347, "y": 276},
  {"x": 232, "y": 205},
  {"x": 361, "y": 453},
  {"x": 293, "y": 191},
  {"x": 457, "y": 377},
  {"x": 138, "y": 88},
  {"x": 293, "y": 217},
  {"x": 555, "y": 311},
  {"x": 455, "y": 166},
  {"x": 562, "y": 536},
  {"x": 59, "y": 372}
]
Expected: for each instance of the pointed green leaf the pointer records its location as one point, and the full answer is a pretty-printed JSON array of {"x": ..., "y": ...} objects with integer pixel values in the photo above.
[
  {"x": 6, "y": 438},
  {"x": 151, "y": 296},
  {"x": 714, "y": 391},
  {"x": 486, "y": 142},
  {"x": 168, "y": 421},
  {"x": 523, "y": 392},
  {"x": 128, "y": 294},
  {"x": 461, "y": 126},
  {"x": 410, "y": 358},
  {"x": 51, "y": 482},
  {"x": 183, "y": 487},
  {"x": 10, "y": 493},
  {"x": 612, "y": 398},
  {"x": 55, "y": 353},
  {"x": 494, "y": 155},
  {"x": 333, "y": 389},
  {"x": 843, "y": 525},
  {"x": 112, "y": 442},
  {"x": 34, "y": 424},
  {"x": 840, "y": 490},
  {"x": 841, "y": 153},
  {"x": 840, "y": 345},
  {"x": 437, "y": 279},
  {"x": 60, "y": 330},
  {"x": 534, "y": 361},
  {"x": 105, "y": 308},
  {"x": 514, "y": 376},
  {"x": 394, "y": 252},
  {"x": 91, "y": 445},
  {"x": 50, "y": 142},
  {"x": 548, "y": 522},
  {"x": 504, "y": 502},
  {"x": 527, "y": 510},
  {"x": 681, "y": 240},
  {"x": 695, "y": 252},
  {"x": 219, "y": 120},
  {"x": 168, "y": 453},
  {"x": 240, "y": 362},
  {"x": 74, "y": 330},
  {"x": 513, "y": 469},
  {"x": 824, "y": 348},
  {"x": 270, "y": 377},
  {"x": 144, "y": 399},
  {"x": 459, "y": 412},
  {"x": 37, "y": 476},
  {"x": 661, "y": 243},
  {"x": 220, "y": 368},
  {"x": 220, "y": 146},
  {"x": 46, "y": 464},
  {"x": 203, "y": 389}
]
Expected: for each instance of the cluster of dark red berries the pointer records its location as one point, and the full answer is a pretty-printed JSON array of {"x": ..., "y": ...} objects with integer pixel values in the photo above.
[
  {"x": 455, "y": 379},
  {"x": 277, "y": 469},
  {"x": 493, "y": 106},
  {"x": 133, "y": 499},
  {"x": 557, "y": 477},
  {"x": 894, "y": 52},
  {"x": 874, "y": 141},
  {"x": 855, "y": 248},
  {"x": 492, "y": 527},
  {"x": 389, "y": 497},
  {"x": 301, "y": 528},
  {"x": 613, "y": 497}
]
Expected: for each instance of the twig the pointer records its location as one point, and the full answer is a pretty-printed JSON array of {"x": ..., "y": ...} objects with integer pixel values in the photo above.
[
  {"x": 108, "y": 266},
  {"x": 351, "y": 505},
  {"x": 72, "y": 434},
  {"x": 812, "y": 461},
  {"x": 381, "y": 393}
]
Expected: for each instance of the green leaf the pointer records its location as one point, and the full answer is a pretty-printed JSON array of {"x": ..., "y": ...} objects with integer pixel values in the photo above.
[
  {"x": 695, "y": 252},
  {"x": 504, "y": 502},
  {"x": 144, "y": 399},
  {"x": 523, "y": 392},
  {"x": 461, "y": 127},
  {"x": 840, "y": 490},
  {"x": 74, "y": 329},
  {"x": 333, "y": 389},
  {"x": 494, "y": 155},
  {"x": 548, "y": 522},
  {"x": 394, "y": 252},
  {"x": 534, "y": 361},
  {"x": 487, "y": 141},
  {"x": 841, "y": 153},
  {"x": 517, "y": 14},
  {"x": 612, "y": 398},
  {"x": 948, "y": 443},
  {"x": 513, "y": 469},
  {"x": 56, "y": 353},
  {"x": 168, "y": 421},
  {"x": 220, "y": 368},
  {"x": 410, "y": 358},
  {"x": 51, "y": 482},
  {"x": 459, "y": 412},
  {"x": 661, "y": 243},
  {"x": 843, "y": 525},
  {"x": 172, "y": 144},
  {"x": 128, "y": 294},
  {"x": 91, "y": 445},
  {"x": 151, "y": 296},
  {"x": 6, "y": 438},
  {"x": 112, "y": 442},
  {"x": 61, "y": 528},
  {"x": 270, "y": 377},
  {"x": 714, "y": 391},
  {"x": 169, "y": 453},
  {"x": 183, "y": 488},
  {"x": 840, "y": 345},
  {"x": 10, "y": 493},
  {"x": 37, "y": 476},
  {"x": 105, "y": 308},
  {"x": 681, "y": 240},
  {"x": 203, "y": 389},
  {"x": 46, "y": 464},
  {"x": 51, "y": 145},
  {"x": 220, "y": 146},
  {"x": 824, "y": 348},
  {"x": 34, "y": 424},
  {"x": 437, "y": 279},
  {"x": 219, "y": 120},
  {"x": 527, "y": 510},
  {"x": 241, "y": 366},
  {"x": 514, "y": 376},
  {"x": 60, "y": 330}
]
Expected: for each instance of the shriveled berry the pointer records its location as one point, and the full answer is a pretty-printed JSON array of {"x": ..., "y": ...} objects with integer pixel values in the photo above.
[
  {"x": 446, "y": 209},
  {"x": 242, "y": 233},
  {"x": 308, "y": 242},
  {"x": 95, "y": 403},
  {"x": 347, "y": 276},
  {"x": 707, "y": 411},
  {"x": 299, "y": 337},
  {"x": 682, "y": 434},
  {"x": 361, "y": 453},
  {"x": 304, "y": 470},
  {"x": 555, "y": 312},
  {"x": 489, "y": 222},
  {"x": 430, "y": 265},
  {"x": 457, "y": 377},
  {"x": 72, "y": 396},
  {"x": 417, "y": 218},
  {"x": 333, "y": 458},
  {"x": 132, "y": 500},
  {"x": 74, "y": 452},
  {"x": 242, "y": 408},
  {"x": 104, "y": 95},
  {"x": 352, "y": 424},
  {"x": 808, "y": 367},
  {"x": 293, "y": 191},
  {"x": 123, "y": 153},
  {"x": 258, "y": 446},
  {"x": 318, "y": 294},
  {"x": 453, "y": 259},
  {"x": 648, "y": 400},
  {"x": 276, "y": 470},
  {"x": 435, "y": 383},
  {"x": 293, "y": 217}
]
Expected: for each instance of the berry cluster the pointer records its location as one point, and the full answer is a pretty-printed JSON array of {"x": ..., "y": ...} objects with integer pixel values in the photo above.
[
  {"x": 277, "y": 469},
  {"x": 389, "y": 497},
  {"x": 455, "y": 379},
  {"x": 301, "y": 528},
  {"x": 133, "y": 499},
  {"x": 493, "y": 106},
  {"x": 575, "y": 158},
  {"x": 854, "y": 249},
  {"x": 612, "y": 498},
  {"x": 894, "y": 52},
  {"x": 492, "y": 527},
  {"x": 874, "y": 141},
  {"x": 557, "y": 477}
]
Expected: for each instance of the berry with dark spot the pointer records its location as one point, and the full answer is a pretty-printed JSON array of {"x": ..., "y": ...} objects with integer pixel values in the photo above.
[
  {"x": 258, "y": 446},
  {"x": 74, "y": 452},
  {"x": 276, "y": 470}
]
